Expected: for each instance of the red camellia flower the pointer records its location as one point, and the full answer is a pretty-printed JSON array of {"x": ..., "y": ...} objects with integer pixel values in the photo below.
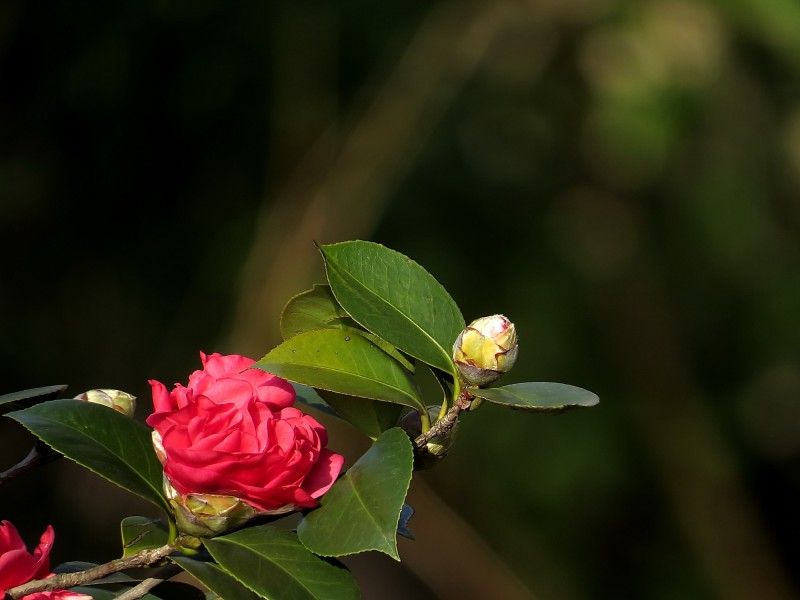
[
  {"x": 18, "y": 566},
  {"x": 232, "y": 436}
]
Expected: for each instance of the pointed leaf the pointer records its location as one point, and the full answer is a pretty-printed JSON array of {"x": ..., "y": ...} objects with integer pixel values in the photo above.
[
  {"x": 362, "y": 509},
  {"x": 214, "y": 578},
  {"x": 275, "y": 565},
  {"x": 543, "y": 397},
  {"x": 318, "y": 309},
  {"x": 341, "y": 362},
  {"x": 25, "y": 398},
  {"x": 395, "y": 298},
  {"x": 142, "y": 533},
  {"x": 102, "y": 440},
  {"x": 313, "y": 309},
  {"x": 370, "y": 417}
]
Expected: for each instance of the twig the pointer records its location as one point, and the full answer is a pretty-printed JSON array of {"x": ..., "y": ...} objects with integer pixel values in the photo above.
[
  {"x": 66, "y": 580},
  {"x": 447, "y": 422}
]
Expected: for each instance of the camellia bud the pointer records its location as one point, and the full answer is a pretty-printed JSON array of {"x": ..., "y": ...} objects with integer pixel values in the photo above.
[
  {"x": 122, "y": 402},
  {"x": 207, "y": 515},
  {"x": 485, "y": 350}
]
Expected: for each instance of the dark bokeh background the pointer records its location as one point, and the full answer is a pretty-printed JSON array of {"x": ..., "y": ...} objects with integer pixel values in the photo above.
[{"x": 619, "y": 178}]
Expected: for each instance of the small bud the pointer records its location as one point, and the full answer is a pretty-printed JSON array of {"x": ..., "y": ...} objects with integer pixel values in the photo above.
[
  {"x": 207, "y": 515},
  {"x": 120, "y": 401},
  {"x": 485, "y": 350},
  {"x": 437, "y": 447}
]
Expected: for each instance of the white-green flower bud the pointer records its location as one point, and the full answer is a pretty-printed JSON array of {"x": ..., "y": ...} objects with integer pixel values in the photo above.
[
  {"x": 122, "y": 402},
  {"x": 485, "y": 350}
]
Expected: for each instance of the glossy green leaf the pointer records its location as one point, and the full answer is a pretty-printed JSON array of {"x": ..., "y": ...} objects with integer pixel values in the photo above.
[
  {"x": 362, "y": 509},
  {"x": 395, "y": 298},
  {"x": 543, "y": 397},
  {"x": 344, "y": 363},
  {"x": 142, "y": 533},
  {"x": 102, "y": 440},
  {"x": 350, "y": 325},
  {"x": 316, "y": 308},
  {"x": 214, "y": 578},
  {"x": 275, "y": 565},
  {"x": 370, "y": 417},
  {"x": 25, "y": 398}
]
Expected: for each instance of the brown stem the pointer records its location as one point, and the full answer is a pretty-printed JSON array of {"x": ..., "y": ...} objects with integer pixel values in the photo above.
[
  {"x": 66, "y": 580},
  {"x": 447, "y": 422}
]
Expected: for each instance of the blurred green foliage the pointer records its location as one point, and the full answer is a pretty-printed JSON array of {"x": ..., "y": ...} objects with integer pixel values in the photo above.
[{"x": 619, "y": 178}]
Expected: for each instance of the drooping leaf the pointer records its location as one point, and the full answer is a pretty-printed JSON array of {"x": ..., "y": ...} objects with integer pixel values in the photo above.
[
  {"x": 362, "y": 509},
  {"x": 395, "y": 298},
  {"x": 370, "y": 417},
  {"x": 214, "y": 578},
  {"x": 543, "y": 397},
  {"x": 26, "y": 398},
  {"x": 99, "y": 438},
  {"x": 275, "y": 565},
  {"x": 142, "y": 533},
  {"x": 341, "y": 362},
  {"x": 316, "y": 308}
]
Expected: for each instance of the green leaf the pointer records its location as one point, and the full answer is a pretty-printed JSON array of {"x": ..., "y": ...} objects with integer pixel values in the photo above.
[
  {"x": 362, "y": 509},
  {"x": 341, "y": 362},
  {"x": 316, "y": 308},
  {"x": 395, "y": 298},
  {"x": 102, "y": 440},
  {"x": 26, "y": 398},
  {"x": 214, "y": 578},
  {"x": 370, "y": 417},
  {"x": 543, "y": 397},
  {"x": 142, "y": 533},
  {"x": 275, "y": 565}
]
